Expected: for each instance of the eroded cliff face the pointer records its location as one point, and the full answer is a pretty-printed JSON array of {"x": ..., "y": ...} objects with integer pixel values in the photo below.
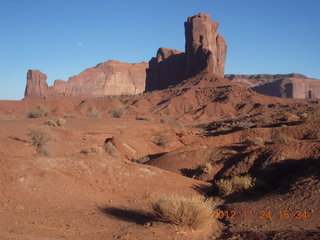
[
  {"x": 37, "y": 86},
  {"x": 205, "y": 50},
  {"x": 291, "y": 85},
  {"x": 108, "y": 78}
]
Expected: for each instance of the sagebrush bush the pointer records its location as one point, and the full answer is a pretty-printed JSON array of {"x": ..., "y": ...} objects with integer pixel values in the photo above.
[
  {"x": 111, "y": 149},
  {"x": 205, "y": 168},
  {"x": 235, "y": 184},
  {"x": 55, "y": 122},
  {"x": 141, "y": 160},
  {"x": 38, "y": 112},
  {"x": 280, "y": 137},
  {"x": 186, "y": 212},
  {"x": 91, "y": 150},
  {"x": 162, "y": 140},
  {"x": 93, "y": 114},
  {"x": 40, "y": 139},
  {"x": 254, "y": 142},
  {"x": 142, "y": 118},
  {"x": 117, "y": 112},
  {"x": 243, "y": 125}
]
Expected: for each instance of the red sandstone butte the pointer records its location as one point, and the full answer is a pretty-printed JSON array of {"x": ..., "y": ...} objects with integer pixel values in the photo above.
[
  {"x": 205, "y": 50},
  {"x": 37, "y": 86}
]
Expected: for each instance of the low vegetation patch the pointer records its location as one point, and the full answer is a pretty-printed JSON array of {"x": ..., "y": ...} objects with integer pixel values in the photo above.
[
  {"x": 243, "y": 125},
  {"x": 186, "y": 212},
  {"x": 162, "y": 140},
  {"x": 280, "y": 138},
  {"x": 174, "y": 123},
  {"x": 70, "y": 116},
  {"x": 117, "y": 112},
  {"x": 91, "y": 150},
  {"x": 205, "y": 168},
  {"x": 93, "y": 114},
  {"x": 235, "y": 184},
  {"x": 40, "y": 139},
  {"x": 141, "y": 160},
  {"x": 55, "y": 122},
  {"x": 142, "y": 118},
  {"x": 254, "y": 142},
  {"x": 38, "y": 112},
  {"x": 110, "y": 148}
]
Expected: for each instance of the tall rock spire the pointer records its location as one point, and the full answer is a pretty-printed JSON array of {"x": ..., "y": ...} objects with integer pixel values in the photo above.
[{"x": 205, "y": 50}]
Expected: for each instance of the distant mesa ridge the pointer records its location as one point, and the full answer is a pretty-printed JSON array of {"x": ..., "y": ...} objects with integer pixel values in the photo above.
[
  {"x": 205, "y": 52},
  {"x": 293, "y": 85}
]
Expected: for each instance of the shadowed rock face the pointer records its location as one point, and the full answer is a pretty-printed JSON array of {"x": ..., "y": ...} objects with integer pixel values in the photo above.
[
  {"x": 205, "y": 50},
  {"x": 280, "y": 85},
  {"x": 108, "y": 78}
]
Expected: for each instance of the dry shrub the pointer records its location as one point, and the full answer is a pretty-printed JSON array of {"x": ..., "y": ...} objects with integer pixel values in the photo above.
[
  {"x": 6, "y": 117},
  {"x": 235, "y": 184},
  {"x": 312, "y": 135},
  {"x": 91, "y": 150},
  {"x": 141, "y": 160},
  {"x": 117, "y": 112},
  {"x": 55, "y": 122},
  {"x": 142, "y": 118},
  {"x": 40, "y": 139},
  {"x": 70, "y": 116},
  {"x": 191, "y": 213},
  {"x": 162, "y": 140},
  {"x": 110, "y": 148},
  {"x": 243, "y": 125},
  {"x": 255, "y": 142},
  {"x": 93, "y": 114},
  {"x": 280, "y": 138},
  {"x": 205, "y": 168},
  {"x": 38, "y": 112},
  {"x": 174, "y": 123}
]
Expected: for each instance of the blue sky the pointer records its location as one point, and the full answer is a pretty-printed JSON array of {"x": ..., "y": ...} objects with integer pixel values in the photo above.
[{"x": 63, "y": 37}]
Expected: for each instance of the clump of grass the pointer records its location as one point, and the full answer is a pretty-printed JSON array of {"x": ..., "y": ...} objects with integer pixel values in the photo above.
[
  {"x": 254, "y": 142},
  {"x": 91, "y": 150},
  {"x": 38, "y": 112},
  {"x": 191, "y": 213},
  {"x": 40, "y": 139},
  {"x": 280, "y": 138},
  {"x": 174, "y": 123},
  {"x": 142, "y": 118},
  {"x": 235, "y": 184},
  {"x": 141, "y": 160},
  {"x": 69, "y": 116},
  {"x": 6, "y": 117},
  {"x": 243, "y": 125},
  {"x": 205, "y": 168},
  {"x": 93, "y": 114},
  {"x": 312, "y": 135},
  {"x": 55, "y": 122},
  {"x": 162, "y": 140},
  {"x": 117, "y": 112},
  {"x": 110, "y": 147}
]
